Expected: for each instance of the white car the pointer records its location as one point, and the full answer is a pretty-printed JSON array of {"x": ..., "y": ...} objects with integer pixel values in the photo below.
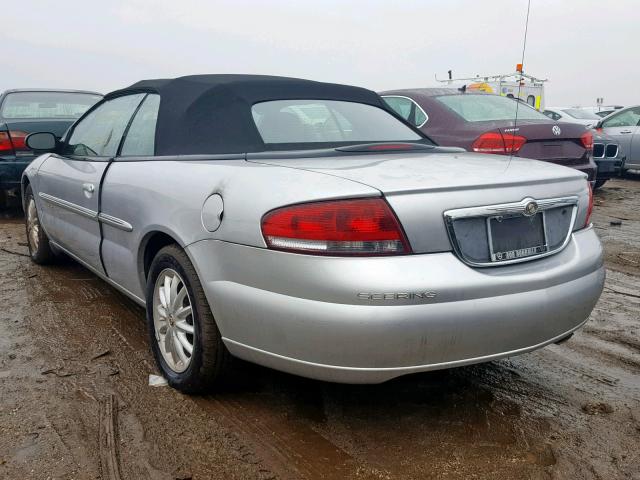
[
  {"x": 603, "y": 110},
  {"x": 573, "y": 115}
]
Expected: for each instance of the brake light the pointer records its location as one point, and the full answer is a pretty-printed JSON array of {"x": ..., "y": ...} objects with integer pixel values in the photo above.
[
  {"x": 341, "y": 227},
  {"x": 513, "y": 143},
  {"x": 391, "y": 146},
  {"x": 498, "y": 143},
  {"x": 18, "y": 139},
  {"x": 5, "y": 143},
  {"x": 587, "y": 140},
  {"x": 587, "y": 220},
  {"x": 13, "y": 140}
]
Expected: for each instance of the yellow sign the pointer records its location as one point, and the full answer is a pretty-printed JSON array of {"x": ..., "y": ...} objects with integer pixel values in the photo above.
[{"x": 482, "y": 87}]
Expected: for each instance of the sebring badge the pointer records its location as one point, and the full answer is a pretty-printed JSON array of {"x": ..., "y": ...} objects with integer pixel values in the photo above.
[
  {"x": 530, "y": 209},
  {"x": 397, "y": 295},
  {"x": 556, "y": 130}
]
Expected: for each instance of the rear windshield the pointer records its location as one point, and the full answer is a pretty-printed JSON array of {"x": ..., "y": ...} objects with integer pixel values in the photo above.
[
  {"x": 581, "y": 114},
  {"x": 483, "y": 108},
  {"x": 327, "y": 122},
  {"x": 19, "y": 105}
]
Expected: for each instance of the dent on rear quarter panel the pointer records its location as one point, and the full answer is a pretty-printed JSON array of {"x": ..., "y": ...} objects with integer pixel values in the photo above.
[{"x": 169, "y": 195}]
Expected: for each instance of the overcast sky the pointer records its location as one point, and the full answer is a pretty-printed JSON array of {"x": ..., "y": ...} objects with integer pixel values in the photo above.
[{"x": 586, "y": 48}]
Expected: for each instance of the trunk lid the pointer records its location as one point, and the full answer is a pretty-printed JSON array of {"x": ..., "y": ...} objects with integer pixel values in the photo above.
[
  {"x": 550, "y": 141},
  {"x": 420, "y": 187},
  {"x": 422, "y": 172}
]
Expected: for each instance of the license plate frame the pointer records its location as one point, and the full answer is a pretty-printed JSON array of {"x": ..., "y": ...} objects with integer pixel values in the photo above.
[{"x": 535, "y": 247}]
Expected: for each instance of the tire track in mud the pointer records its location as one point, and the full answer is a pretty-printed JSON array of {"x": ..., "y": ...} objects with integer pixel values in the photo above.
[
  {"x": 109, "y": 441},
  {"x": 291, "y": 448},
  {"x": 266, "y": 436}
]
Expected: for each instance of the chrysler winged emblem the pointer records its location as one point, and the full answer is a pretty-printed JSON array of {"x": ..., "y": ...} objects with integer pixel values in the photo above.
[
  {"x": 556, "y": 130},
  {"x": 530, "y": 209}
]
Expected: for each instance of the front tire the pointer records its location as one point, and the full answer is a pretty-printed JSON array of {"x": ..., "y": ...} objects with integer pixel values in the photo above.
[
  {"x": 185, "y": 339},
  {"x": 38, "y": 242}
]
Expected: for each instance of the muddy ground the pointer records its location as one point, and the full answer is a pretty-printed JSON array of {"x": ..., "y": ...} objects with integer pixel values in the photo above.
[{"x": 75, "y": 401}]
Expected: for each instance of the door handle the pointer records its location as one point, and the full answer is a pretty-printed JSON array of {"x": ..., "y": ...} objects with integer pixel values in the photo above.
[
  {"x": 88, "y": 187},
  {"x": 625, "y": 131}
]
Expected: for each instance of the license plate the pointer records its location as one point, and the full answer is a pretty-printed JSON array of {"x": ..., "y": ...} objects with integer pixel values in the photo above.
[{"x": 516, "y": 237}]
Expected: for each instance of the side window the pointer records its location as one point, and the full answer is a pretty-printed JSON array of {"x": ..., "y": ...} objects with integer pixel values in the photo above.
[
  {"x": 421, "y": 117},
  {"x": 402, "y": 106},
  {"x": 531, "y": 100},
  {"x": 553, "y": 115},
  {"x": 407, "y": 109},
  {"x": 100, "y": 132},
  {"x": 141, "y": 137},
  {"x": 628, "y": 118}
]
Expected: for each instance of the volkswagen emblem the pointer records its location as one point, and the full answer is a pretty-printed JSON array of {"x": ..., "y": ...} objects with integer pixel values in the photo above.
[
  {"x": 530, "y": 208},
  {"x": 556, "y": 130}
]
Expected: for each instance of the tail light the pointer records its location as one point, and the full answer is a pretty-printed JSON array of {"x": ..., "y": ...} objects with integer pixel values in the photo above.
[
  {"x": 499, "y": 143},
  {"x": 587, "y": 140},
  {"x": 12, "y": 141},
  {"x": 341, "y": 227},
  {"x": 5, "y": 143},
  {"x": 587, "y": 220}
]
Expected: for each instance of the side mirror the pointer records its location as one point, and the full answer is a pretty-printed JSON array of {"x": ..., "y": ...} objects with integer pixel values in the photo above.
[
  {"x": 41, "y": 141},
  {"x": 598, "y": 126}
]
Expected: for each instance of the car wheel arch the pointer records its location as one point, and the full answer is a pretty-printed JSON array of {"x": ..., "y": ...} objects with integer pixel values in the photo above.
[{"x": 152, "y": 242}]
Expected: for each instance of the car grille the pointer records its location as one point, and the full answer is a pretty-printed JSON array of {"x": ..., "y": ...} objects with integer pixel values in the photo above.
[
  {"x": 598, "y": 150},
  {"x": 512, "y": 232}
]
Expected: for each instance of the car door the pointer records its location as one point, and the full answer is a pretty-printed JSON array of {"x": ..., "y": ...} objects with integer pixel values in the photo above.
[
  {"x": 622, "y": 126},
  {"x": 120, "y": 239},
  {"x": 69, "y": 182}
]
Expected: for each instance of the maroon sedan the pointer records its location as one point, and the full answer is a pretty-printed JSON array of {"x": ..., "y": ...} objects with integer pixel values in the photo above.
[{"x": 484, "y": 123}]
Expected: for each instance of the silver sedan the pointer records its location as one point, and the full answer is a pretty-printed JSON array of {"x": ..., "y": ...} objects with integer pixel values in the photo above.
[
  {"x": 305, "y": 227},
  {"x": 624, "y": 127}
]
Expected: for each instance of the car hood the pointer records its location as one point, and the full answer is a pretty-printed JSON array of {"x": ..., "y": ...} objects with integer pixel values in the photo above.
[{"x": 415, "y": 172}]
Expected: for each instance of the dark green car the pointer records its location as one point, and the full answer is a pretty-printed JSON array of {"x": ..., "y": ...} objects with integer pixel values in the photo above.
[{"x": 25, "y": 111}]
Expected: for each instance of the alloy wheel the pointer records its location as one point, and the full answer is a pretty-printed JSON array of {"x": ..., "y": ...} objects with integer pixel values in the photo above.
[
  {"x": 33, "y": 226},
  {"x": 173, "y": 320}
]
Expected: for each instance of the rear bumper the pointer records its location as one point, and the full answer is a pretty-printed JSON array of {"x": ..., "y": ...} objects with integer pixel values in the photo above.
[
  {"x": 303, "y": 314},
  {"x": 11, "y": 169},
  {"x": 586, "y": 165},
  {"x": 589, "y": 168}
]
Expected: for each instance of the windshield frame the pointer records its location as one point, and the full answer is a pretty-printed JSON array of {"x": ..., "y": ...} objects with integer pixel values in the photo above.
[{"x": 570, "y": 112}]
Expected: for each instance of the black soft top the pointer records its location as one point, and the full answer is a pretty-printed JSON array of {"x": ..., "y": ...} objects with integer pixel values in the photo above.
[{"x": 203, "y": 114}]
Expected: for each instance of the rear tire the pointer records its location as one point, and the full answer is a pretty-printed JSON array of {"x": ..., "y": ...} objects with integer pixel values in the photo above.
[
  {"x": 179, "y": 319},
  {"x": 37, "y": 240},
  {"x": 599, "y": 183}
]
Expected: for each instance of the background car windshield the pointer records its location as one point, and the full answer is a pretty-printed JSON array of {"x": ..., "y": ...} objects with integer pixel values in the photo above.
[
  {"x": 581, "y": 114},
  {"x": 327, "y": 122},
  {"x": 626, "y": 118},
  {"x": 482, "y": 108},
  {"x": 47, "y": 104}
]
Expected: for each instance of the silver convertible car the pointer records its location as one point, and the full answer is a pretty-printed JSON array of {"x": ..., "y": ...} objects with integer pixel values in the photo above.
[{"x": 303, "y": 226}]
